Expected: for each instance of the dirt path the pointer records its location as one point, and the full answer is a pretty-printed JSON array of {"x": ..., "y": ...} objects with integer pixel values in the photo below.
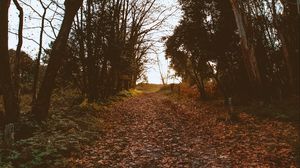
[{"x": 153, "y": 130}]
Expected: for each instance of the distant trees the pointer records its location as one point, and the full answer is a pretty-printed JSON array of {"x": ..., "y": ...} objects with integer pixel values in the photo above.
[
  {"x": 109, "y": 43},
  {"x": 26, "y": 69},
  {"x": 231, "y": 40}
]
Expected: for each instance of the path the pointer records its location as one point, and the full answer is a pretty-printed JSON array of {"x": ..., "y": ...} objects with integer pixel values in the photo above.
[{"x": 153, "y": 130}]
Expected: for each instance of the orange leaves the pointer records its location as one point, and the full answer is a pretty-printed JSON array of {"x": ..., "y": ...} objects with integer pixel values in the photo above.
[{"x": 159, "y": 131}]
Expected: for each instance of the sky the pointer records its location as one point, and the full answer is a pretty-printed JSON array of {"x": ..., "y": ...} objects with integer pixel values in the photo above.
[
  {"x": 32, "y": 31},
  {"x": 166, "y": 30}
]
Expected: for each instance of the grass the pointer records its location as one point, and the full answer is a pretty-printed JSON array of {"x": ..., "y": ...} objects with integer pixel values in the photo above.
[
  {"x": 72, "y": 121},
  {"x": 148, "y": 88}
]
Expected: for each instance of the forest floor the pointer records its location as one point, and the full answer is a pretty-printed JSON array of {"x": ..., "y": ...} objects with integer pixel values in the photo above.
[
  {"x": 159, "y": 130},
  {"x": 153, "y": 129}
]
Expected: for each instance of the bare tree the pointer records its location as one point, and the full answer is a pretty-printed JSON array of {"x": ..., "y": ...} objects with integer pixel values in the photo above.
[
  {"x": 160, "y": 70},
  {"x": 9, "y": 93},
  {"x": 41, "y": 107},
  {"x": 38, "y": 60},
  {"x": 18, "y": 53},
  {"x": 91, "y": 57}
]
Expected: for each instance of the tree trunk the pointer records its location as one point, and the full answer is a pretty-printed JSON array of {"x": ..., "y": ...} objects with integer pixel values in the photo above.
[
  {"x": 9, "y": 94},
  {"x": 160, "y": 70},
  {"x": 104, "y": 79},
  {"x": 286, "y": 55},
  {"x": 199, "y": 82},
  {"x": 38, "y": 60},
  {"x": 91, "y": 60},
  {"x": 248, "y": 50},
  {"x": 82, "y": 49},
  {"x": 37, "y": 65},
  {"x": 41, "y": 107},
  {"x": 290, "y": 32},
  {"x": 18, "y": 54},
  {"x": 284, "y": 45}
]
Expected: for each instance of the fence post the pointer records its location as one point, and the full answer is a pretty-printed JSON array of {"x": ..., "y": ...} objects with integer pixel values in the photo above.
[
  {"x": 232, "y": 113},
  {"x": 9, "y": 134}
]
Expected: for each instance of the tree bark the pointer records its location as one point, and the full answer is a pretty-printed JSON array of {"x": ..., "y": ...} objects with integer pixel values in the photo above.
[
  {"x": 160, "y": 70},
  {"x": 284, "y": 45},
  {"x": 38, "y": 60},
  {"x": 82, "y": 49},
  {"x": 9, "y": 94},
  {"x": 18, "y": 54},
  {"x": 91, "y": 60},
  {"x": 199, "y": 81},
  {"x": 248, "y": 50},
  {"x": 41, "y": 107},
  {"x": 289, "y": 26}
]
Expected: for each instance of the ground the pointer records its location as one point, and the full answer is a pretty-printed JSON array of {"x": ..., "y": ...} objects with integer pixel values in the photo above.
[
  {"x": 159, "y": 130},
  {"x": 153, "y": 127}
]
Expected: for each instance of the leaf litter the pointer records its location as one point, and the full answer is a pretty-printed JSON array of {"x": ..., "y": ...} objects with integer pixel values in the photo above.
[{"x": 156, "y": 130}]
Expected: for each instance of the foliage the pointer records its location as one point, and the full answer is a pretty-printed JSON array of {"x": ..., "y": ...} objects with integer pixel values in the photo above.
[
  {"x": 49, "y": 143},
  {"x": 108, "y": 47},
  {"x": 206, "y": 45},
  {"x": 103, "y": 105}
]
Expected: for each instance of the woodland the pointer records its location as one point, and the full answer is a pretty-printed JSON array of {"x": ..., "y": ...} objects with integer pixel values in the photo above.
[{"x": 84, "y": 100}]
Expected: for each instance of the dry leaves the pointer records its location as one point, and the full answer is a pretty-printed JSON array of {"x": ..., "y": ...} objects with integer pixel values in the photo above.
[{"x": 153, "y": 130}]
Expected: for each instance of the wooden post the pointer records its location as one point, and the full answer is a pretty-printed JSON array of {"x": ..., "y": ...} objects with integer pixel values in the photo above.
[
  {"x": 9, "y": 134},
  {"x": 2, "y": 121},
  {"x": 232, "y": 113},
  {"x": 172, "y": 87}
]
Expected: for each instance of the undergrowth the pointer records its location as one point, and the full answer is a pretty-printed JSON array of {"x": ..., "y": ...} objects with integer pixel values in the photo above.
[{"x": 72, "y": 122}]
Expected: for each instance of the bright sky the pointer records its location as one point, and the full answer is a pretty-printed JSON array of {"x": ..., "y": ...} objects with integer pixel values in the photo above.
[{"x": 32, "y": 30}]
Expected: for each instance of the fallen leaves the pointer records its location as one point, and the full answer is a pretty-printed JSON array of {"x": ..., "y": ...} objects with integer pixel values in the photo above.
[{"x": 154, "y": 130}]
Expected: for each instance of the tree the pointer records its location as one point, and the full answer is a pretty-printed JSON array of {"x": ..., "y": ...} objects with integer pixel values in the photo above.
[
  {"x": 91, "y": 57},
  {"x": 109, "y": 44},
  {"x": 38, "y": 59},
  {"x": 191, "y": 46},
  {"x": 9, "y": 93},
  {"x": 287, "y": 25},
  {"x": 41, "y": 107},
  {"x": 243, "y": 45},
  {"x": 248, "y": 48},
  {"x": 18, "y": 54}
]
